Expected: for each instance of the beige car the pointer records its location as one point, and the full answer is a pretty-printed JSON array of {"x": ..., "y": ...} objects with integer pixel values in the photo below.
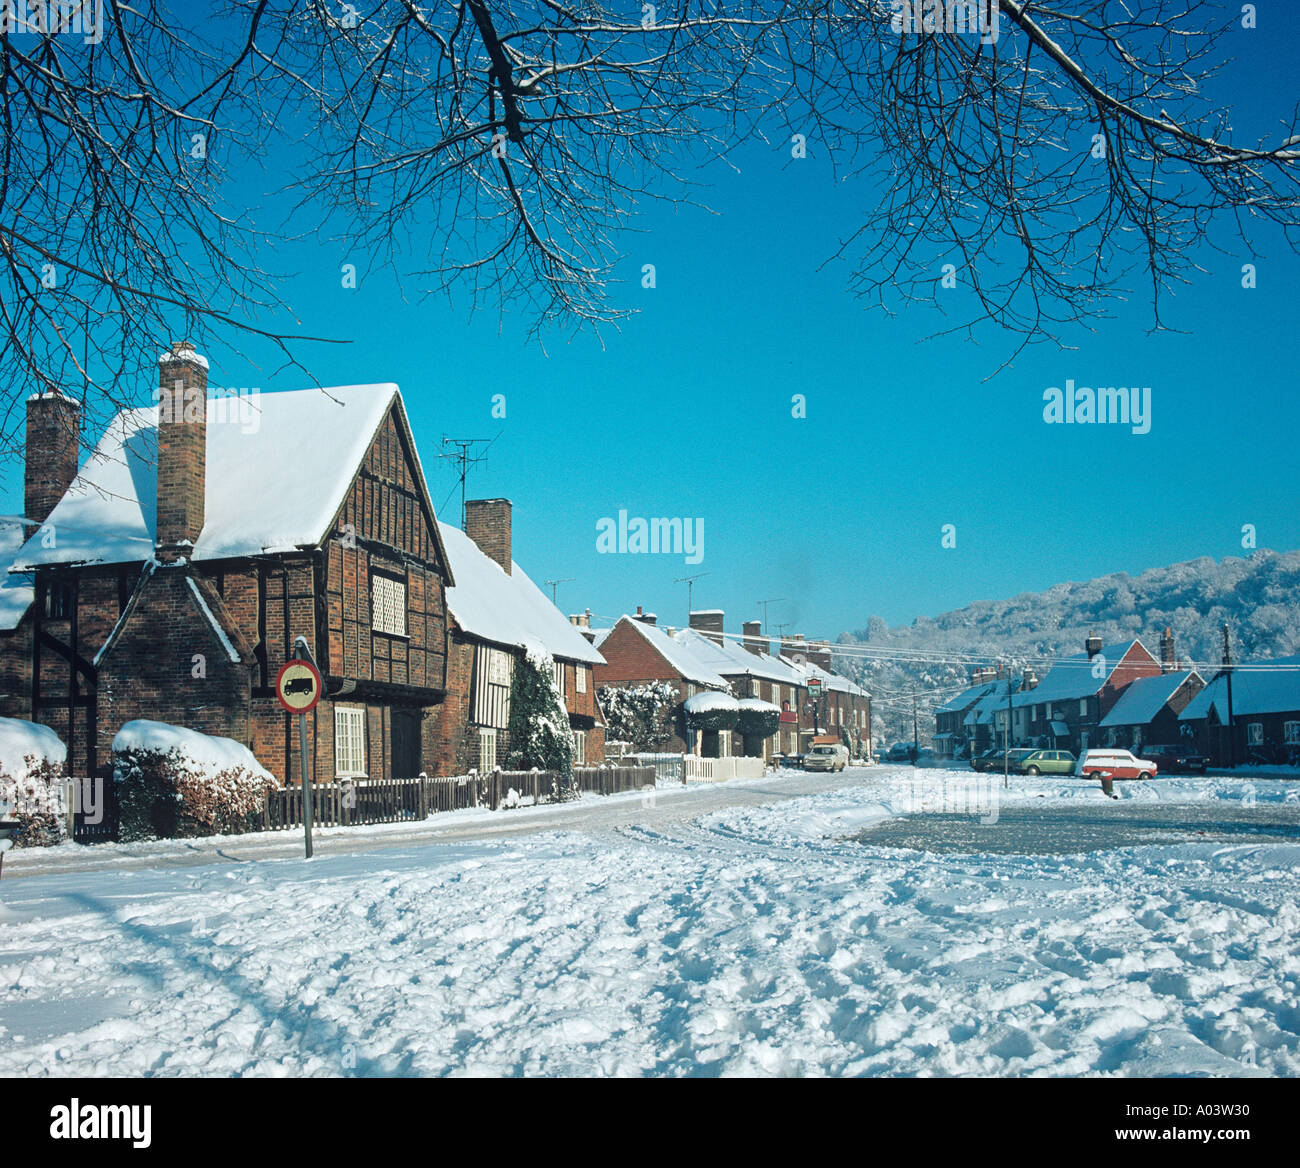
[{"x": 826, "y": 756}]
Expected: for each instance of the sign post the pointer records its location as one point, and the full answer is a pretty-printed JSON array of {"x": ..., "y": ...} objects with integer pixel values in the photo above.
[{"x": 298, "y": 686}]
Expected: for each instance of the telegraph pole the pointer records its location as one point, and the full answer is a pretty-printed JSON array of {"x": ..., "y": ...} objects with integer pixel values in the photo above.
[{"x": 1227, "y": 669}]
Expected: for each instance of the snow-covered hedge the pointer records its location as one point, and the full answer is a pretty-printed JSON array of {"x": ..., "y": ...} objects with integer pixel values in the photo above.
[
  {"x": 32, "y": 764},
  {"x": 173, "y": 782}
]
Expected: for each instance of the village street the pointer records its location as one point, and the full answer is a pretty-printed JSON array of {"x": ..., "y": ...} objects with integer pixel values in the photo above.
[{"x": 748, "y": 927}]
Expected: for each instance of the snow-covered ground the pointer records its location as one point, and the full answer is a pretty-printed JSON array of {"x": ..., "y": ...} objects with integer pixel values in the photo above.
[{"x": 746, "y": 928}]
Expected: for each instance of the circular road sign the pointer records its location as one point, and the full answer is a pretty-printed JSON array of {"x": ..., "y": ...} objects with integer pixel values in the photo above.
[{"x": 299, "y": 687}]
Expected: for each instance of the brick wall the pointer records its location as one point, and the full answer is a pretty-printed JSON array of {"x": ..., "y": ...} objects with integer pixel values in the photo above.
[{"x": 150, "y": 669}]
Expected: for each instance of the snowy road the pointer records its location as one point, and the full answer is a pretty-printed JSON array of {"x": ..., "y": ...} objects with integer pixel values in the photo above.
[{"x": 736, "y": 929}]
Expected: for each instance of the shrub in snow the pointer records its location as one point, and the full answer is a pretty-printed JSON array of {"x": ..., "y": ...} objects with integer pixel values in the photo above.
[
  {"x": 539, "y": 724},
  {"x": 712, "y": 710},
  {"x": 175, "y": 783},
  {"x": 32, "y": 764},
  {"x": 757, "y": 721},
  {"x": 639, "y": 715}
]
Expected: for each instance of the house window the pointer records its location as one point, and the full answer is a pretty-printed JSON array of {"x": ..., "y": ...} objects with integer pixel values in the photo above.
[
  {"x": 580, "y": 678},
  {"x": 580, "y": 747},
  {"x": 487, "y": 751},
  {"x": 58, "y": 600},
  {"x": 1083, "y": 707},
  {"x": 1255, "y": 734},
  {"x": 350, "y": 742},
  {"x": 557, "y": 672},
  {"x": 492, "y": 675},
  {"x": 388, "y": 606},
  {"x": 1291, "y": 733}
]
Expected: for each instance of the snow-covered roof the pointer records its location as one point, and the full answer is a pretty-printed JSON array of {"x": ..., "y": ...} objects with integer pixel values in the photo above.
[
  {"x": 829, "y": 679},
  {"x": 1254, "y": 691},
  {"x": 733, "y": 660},
  {"x": 16, "y": 591},
  {"x": 1143, "y": 699},
  {"x": 965, "y": 699},
  {"x": 274, "y": 488},
  {"x": 507, "y": 610},
  {"x": 1073, "y": 677},
  {"x": 982, "y": 712},
  {"x": 681, "y": 657}
]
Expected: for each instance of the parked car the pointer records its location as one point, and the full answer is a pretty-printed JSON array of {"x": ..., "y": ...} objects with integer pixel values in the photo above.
[
  {"x": 1177, "y": 760},
  {"x": 982, "y": 762},
  {"x": 1118, "y": 764},
  {"x": 1003, "y": 760},
  {"x": 826, "y": 757},
  {"x": 1046, "y": 762},
  {"x": 900, "y": 752}
]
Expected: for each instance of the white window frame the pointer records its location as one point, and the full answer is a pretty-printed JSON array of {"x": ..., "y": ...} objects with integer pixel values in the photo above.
[
  {"x": 1254, "y": 733},
  {"x": 1291, "y": 733},
  {"x": 1083, "y": 707},
  {"x": 557, "y": 675},
  {"x": 487, "y": 750},
  {"x": 580, "y": 748},
  {"x": 387, "y": 605},
  {"x": 580, "y": 676},
  {"x": 350, "y": 742}
]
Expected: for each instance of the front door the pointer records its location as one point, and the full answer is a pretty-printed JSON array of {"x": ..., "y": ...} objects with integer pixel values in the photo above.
[{"x": 405, "y": 761}]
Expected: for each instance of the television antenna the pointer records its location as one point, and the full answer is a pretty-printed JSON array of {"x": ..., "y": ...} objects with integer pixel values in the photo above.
[
  {"x": 462, "y": 455},
  {"x": 765, "y": 603},
  {"x": 554, "y": 584},
  {"x": 689, "y": 581}
]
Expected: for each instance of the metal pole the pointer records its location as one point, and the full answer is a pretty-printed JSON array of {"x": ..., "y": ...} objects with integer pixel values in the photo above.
[
  {"x": 1006, "y": 754},
  {"x": 306, "y": 781},
  {"x": 1232, "y": 734}
]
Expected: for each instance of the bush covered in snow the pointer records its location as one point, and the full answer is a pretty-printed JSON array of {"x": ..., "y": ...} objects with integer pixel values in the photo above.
[
  {"x": 32, "y": 764},
  {"x": 640, "y": 715},
  {"x": 539, "y": 723},
  {"x": 176, "y": 783}
]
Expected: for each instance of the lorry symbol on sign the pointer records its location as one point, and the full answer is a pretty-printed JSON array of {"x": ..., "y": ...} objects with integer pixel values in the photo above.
[{"x": 303, "y": 685}]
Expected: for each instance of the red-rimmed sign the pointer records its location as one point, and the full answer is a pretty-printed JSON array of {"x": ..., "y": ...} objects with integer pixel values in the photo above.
[{"x": 299, "y": 687}]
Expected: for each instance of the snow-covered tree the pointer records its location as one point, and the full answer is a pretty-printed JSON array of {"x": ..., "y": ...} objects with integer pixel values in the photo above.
[
  {"x": 641, "y": 715},
  {"x": 538, "y": 727}
]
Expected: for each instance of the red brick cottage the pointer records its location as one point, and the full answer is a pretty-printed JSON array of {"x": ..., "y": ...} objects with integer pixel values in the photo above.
[
  {"x": 495, "y": 612},
  {"x": 173, "y": 573}
]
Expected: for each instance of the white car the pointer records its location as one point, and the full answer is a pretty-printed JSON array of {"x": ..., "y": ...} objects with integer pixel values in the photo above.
[
  {"x": 826, "y": 757},
  {"x": 1117, "y": 764}
]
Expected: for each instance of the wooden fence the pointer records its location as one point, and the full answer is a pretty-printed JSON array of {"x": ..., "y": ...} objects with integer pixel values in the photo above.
[{"x": 609, "y": 780}]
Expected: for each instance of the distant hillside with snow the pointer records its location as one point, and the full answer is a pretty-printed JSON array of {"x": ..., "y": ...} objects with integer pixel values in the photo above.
[{"x": 1258, "y": 597}]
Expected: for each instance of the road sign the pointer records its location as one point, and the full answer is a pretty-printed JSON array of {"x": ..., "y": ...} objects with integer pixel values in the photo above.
[{"x": 298, "y": 685}]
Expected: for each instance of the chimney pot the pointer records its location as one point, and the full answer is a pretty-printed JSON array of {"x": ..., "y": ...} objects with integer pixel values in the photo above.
[{"x": 1093, "y": 646}]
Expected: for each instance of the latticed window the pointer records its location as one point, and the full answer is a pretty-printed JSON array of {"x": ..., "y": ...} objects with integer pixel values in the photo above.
[
  {"x": 557, "y": 671},
  {"x": 580, "y": 747},
  {"x": 388, "y": 606},
  {"x": 580, "y": 678},
  {"x": 487, "y": 751},
  {"x": 1291, "y": 733},
  {"x": 350, "y": 742}
]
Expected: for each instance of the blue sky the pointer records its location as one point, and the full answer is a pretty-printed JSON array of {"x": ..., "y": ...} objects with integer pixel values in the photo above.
[{"x": 685, "y": 410}]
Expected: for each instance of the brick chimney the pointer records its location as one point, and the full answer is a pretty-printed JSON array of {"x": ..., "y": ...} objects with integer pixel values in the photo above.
[
  {"x": 754, "y": 641},
  {"x": 1028, "y": 679},
  {"x": 1168, "y": 658},
  {"x": 708, "y": 622},
  {"x": 182, "y": 450},
  {"x": 1092, "y": 646},
  {"x": 580, "y": 620},
  {"x": 53, "y": 434},
  {"x": 487, "y": 523},
  {"x": 646, "y": 618},
  {"x": 819, "y": 653}
]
